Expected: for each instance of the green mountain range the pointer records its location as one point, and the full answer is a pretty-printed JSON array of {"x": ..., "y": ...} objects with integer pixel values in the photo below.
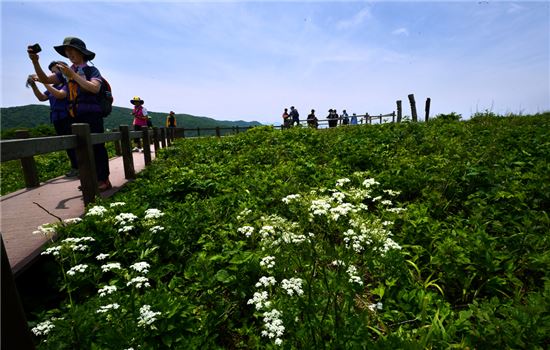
[{"x": 30, "y": 116}]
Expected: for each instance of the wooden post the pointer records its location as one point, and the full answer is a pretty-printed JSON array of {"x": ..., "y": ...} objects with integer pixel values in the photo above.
[
  {"x": 168, "y": 137},
  {"x": 15, "y": 332},
  {"x": 118, "y": 151},
  {"x": 146, "y": 146},
  {"x": 198, "y": 132},
  {"x": 393, "y": 117},
  {"x": 28, "y": 164},
  {"x": 163, "y": 137},
  {"x": 428, "y": 102},
  {"x": 413, "y": 108},
  {"x": 218, "y": 131},
  {"x": 399, "y": 111},
  {"x": 127, "y": 158},
  {"x": 86, "y": 162},
  {"x": 380, "y": 118},
  {"x": 156, "y": 138}
]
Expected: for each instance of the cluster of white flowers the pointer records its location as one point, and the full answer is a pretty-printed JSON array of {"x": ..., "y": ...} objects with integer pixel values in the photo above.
[
  {"x": 319, "y": 207},
  {"x": 72, "y": 220},
  {"x": 370, "y": 182},
  {"x": 267, "y": 231},
  {"x": 374, "y": 307},
  {"x": 293, "y": 285},
  {"x": 139, "y": 282},
  {"x": 124, "y": 219},
  {"x": 389, "y": 244},
  {"x": 338, "y": 263},
  {"x": 342, "y": 182},
  {"x": 243, "y": 214},
  {"x": 268, "y": 262},
  {"x": 266, "y": 281},
  {"x": 102, "y": 257},
  {"x": 78, "y": 268},
  {"x": 259, "y": 299},
  {"x": 274, "y": 327},
  {"x": 396, "y": 210},
  {"x": 106, "y": 290},
  {"x": 392, "y": 192},
  {"x": 147, "y": 316},
  {"x": 125, "y": 229},
  {"x": 246, "y": 230},
  {"x": 142, "y": 267},
  {"x": 386, "y": 202},
  {"x": 290, "y": 198},
  {"x": 77, "y": 240},
  {"x": 153, "y": 214},
  {"x": 117, "y": 204},
  {"x": 48, "y": 230},
  {"x": 52, "y": 251},
  {"x": 106, "y": 308},
  {"x": 338, "y": 197},
  {"x": 342, "y": 210},
  {"x": 156, "y": 229},
  {"x": 43, "y": 328},
  {"x": 356, "y": 241},
  {"x": 110, "y": 266},
  {"x": 353, "y": 277},
  {"x": 98, "y": 210}
]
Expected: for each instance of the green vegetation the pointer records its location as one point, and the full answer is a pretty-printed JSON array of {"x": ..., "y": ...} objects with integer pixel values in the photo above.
[{"x": 393, "y": 236}]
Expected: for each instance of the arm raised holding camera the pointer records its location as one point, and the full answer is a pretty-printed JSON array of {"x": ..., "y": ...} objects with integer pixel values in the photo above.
[{"x": 42, "y": 76}]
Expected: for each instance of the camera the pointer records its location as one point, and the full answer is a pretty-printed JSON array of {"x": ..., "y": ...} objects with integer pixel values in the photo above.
[{"x": 35, "y": 48}]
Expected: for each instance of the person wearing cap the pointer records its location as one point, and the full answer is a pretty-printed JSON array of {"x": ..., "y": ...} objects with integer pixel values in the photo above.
[
  {"x": 59, "y": 116},
  {"x": 140, "y": 119},
  {"x": 83, "y": 85},
  {"x": 171, "y": 120}
]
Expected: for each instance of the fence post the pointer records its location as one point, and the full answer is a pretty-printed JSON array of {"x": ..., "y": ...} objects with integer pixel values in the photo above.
[
  {"x": 127, "y": 158},
  {"x": 413, "y": 108},
  {"x": 15, "y": 332},
  {"x": 428, "y": 102},
  {"x": 163, "y": 137},
  {"x": 86, "y": 162},
  {"x": 28, "y": 164},
  {"x": 393, "y": 117},
  {"x": 118, "y": 151},
  {"x": 380, "y": 118},
  {"x": 146, "y": 146},
  {"x": 218, "y": 131},
  {"x": 156, "y": 138},
  {"x": 168, "y": 137},
  {"x": 399, "y": 111}
]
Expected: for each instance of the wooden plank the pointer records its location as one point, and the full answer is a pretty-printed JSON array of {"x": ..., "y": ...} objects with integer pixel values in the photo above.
[{"x": 17, "y": 149}]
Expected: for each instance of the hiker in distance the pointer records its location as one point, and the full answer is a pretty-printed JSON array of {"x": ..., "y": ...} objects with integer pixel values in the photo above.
[
  {"x": 59, "y": 115},
  {"x": 83, "y": 86},
  {"x": 140, "y": 119},
  {"x": 295, "y": 116}
]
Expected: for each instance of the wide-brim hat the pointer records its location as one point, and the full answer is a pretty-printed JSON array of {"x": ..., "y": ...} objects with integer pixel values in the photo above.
[
  {"x": 77, "y": 44},
  {"x": 172, "y": 112},
  {"x": 135, "y": 100}
]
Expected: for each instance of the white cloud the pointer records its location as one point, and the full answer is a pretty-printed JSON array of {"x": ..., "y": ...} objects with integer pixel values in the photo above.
[
  {"x": 356, "y": 20},
  {"x": 401, "y": 31},
  {"x": 515, "y": 8}
]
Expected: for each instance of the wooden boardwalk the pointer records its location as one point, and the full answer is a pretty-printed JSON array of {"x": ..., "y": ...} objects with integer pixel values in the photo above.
[{"x": 20, "y": 216}]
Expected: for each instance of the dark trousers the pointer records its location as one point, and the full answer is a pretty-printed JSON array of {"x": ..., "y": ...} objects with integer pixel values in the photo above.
[
  {"x": 95, "y": 120},
  {"x": 63, "y": 127}
]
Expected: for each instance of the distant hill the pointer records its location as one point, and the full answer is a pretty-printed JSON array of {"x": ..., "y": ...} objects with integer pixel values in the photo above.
[{"x": 30, "y": 116}]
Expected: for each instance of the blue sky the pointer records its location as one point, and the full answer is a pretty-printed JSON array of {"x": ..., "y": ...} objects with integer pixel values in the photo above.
[{"x": 249, "y": 60}]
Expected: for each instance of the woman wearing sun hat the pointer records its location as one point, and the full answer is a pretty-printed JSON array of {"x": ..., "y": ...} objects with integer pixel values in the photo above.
[
  {"x": 83, "y": 85},
  {"x": 140, "y": 119}
]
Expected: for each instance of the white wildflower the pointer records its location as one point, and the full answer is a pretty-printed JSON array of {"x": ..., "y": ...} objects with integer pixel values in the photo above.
[
  {"x": 146, "y": 316},
  {"x": 72, "y": 220},
  {"x": 268, "y": 262},
  {"x": 79, "y": 247},
  {"x": 374, "y": 307},
  {"x": 266, "y": 282},
  {"x": 76, "y": 240},
  {"x": 293, "y": 285},
  {"x": 342, "y": 210},
  {"x": 278, "y": 341},
  {"x": 153, "y": 214},
  {"x": 43, "y": 328},
  {"x": 290, "y": 198},
  {"x": 338, "y": 263},
  {"x": 243, "y": 214},
  {"x": 98, "y": 210},
  {"x": 124, "y": 219},
  {"x": 106, "y": 308},
  {"x": 342, "y": 182},
  {"x": 246, "y": 230},
  {"x": 117, "y": 204},
  {"x": 156, "y": 229},
  {"x": 274, "y": 327},
  {"x": 338, "y": 196},
  {"x": 375, "y": 199},
  {"x": 267, "y": 231},
  {"x": 370, "y": 182},
  {"x": 319, "y": 207},
  {"x": 110, "y": 266},
  {"x": 102, "y": 257},
  {"x": 259, "y": 299},
  {"x": 386, "y": 202},
  {"x": 142, "y": 267},
  {"x": 52, "y": 251},
  {"x": 392, "y": 192},
  {"x": 48, "y": 230},
  {"x": 107, "y": 290},
  {"x": 125, "y": 229},
  {"x": 139, "y": 282},
  {"x": 78, "y": 268},
  {"x": 396, "y": 210},
  {"x": 353, "y": 277}
]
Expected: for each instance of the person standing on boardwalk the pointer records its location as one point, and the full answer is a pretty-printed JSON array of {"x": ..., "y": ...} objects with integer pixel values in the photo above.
[
  {"x": 286, "y": 119},
  {"x": 83, "y": 86},
  {"x": 312, "y": 120},
  {"x": 345, "y": 117},
  {"x": 59, "y": 115},
  {"x": 140, "y": 120},
  {"x": 295, "y": 116},
  {"x": 171, "y": 120},
  {"x": 353, "y": 119}
]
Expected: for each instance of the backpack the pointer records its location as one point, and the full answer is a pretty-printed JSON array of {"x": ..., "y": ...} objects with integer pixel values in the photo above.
[{"x": 104, "y": 96}]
